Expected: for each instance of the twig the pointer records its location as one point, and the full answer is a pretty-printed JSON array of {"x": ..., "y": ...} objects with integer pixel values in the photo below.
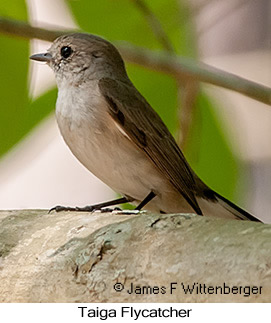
[
  {"x": 155, "y": 25},
  {"x": 22, "y": 29},
  {"x": 186, "y": 93},
  {"x": 176, "y": 66}
]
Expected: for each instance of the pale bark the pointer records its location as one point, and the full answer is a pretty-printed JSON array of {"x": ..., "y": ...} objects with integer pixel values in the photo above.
[{"x": 78, "y": 257}]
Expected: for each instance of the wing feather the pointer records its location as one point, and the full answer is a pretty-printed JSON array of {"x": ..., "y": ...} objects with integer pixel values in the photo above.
[{"x": 144, "y": 126}]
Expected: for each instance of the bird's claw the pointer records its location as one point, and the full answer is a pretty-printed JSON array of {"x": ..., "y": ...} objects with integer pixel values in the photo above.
[
  {"x": 60, "y": 208},
  {"x": 108, "y": 209}
]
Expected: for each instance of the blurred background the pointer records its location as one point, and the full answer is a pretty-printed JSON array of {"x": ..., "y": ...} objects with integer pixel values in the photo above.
[{"x": 224, "y": 135}]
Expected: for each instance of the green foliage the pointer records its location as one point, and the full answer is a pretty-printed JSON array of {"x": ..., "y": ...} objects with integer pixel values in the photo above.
[
  {"x": 38, "y": 109},
  {"x": 119, "y": 20},
  {"x": 209, "y": 152},
  {"x": 18, "y": 114},
  {"x": 13, "y": 87},
  {"x": 164, "y": 100},
  {"x": 15, "y": 9}
]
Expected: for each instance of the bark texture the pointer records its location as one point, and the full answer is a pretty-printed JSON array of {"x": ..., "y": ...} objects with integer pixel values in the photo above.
[{"x": 82, "y": 257}]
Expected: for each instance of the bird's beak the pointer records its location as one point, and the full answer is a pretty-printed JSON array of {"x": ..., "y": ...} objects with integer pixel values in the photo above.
[{"x": 43, "y": 57}]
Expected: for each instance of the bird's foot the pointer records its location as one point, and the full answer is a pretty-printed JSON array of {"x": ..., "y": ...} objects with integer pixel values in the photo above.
[
  {"x": 103, "y": 207},
  {"x": 88, "y": 208}
]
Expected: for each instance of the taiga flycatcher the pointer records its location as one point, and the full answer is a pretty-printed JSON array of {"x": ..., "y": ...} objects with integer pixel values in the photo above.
[{"x": 115, "y": 133}]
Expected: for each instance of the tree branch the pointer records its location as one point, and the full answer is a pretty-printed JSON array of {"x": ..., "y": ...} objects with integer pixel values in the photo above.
[
  {"x": 22, "y": 29},
  {"x": 87, "y": 255},
  {"x": 176, "y": 66}
]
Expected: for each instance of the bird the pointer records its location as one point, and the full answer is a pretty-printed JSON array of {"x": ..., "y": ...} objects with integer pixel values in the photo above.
[{"x": 116, "y": 134}]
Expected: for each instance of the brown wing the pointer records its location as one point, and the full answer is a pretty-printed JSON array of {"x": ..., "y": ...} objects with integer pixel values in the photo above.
[{"x": 144, "y": 126}]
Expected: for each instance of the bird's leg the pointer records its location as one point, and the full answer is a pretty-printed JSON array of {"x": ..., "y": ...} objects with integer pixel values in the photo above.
[
  {"x": 146, "y": 200},
  {"x": 94, "y": 207}
]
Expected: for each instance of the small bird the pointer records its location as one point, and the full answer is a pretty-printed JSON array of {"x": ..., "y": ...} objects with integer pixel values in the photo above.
[{"x": 114, "y": 132}]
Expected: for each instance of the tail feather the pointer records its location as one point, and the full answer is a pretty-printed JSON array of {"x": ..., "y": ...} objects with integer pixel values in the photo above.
[{"x": 235, "y": 210}]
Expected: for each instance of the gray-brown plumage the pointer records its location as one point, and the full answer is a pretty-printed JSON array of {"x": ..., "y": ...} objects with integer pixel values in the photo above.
[{"x": 116, "y": 134}]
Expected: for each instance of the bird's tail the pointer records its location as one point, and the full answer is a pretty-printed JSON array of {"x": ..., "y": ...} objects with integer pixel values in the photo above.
[{"x": 234, "y": 209}]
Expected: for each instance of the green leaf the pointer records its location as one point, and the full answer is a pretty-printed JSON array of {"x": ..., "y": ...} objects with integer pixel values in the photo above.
[
  {"x": 18, "y": 115},
  {"x": 209, "y": 151},
  {"x": 40, "y": 108},
  {"x": 13, "y": 88},
  {"x": 160, "y": 90},
  {"x": 15, "y": 9}
]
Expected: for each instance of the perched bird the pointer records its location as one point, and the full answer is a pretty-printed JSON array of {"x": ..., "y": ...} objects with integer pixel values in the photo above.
[{"x": 114, "y": 132}]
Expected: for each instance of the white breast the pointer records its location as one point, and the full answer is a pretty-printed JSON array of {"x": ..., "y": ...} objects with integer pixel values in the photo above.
[{"x": 79, "y": 117}]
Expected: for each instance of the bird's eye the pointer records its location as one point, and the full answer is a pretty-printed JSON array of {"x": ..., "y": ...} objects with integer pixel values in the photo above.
[{"x": 66, "y": 51}]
